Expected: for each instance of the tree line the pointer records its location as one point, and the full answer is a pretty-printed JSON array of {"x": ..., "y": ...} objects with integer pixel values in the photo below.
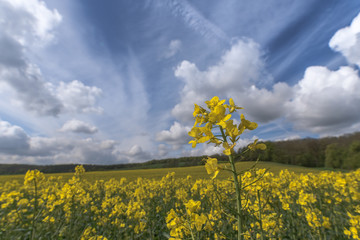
[
  {"x": 332, "y": 152},
  {"x": 10, "y": 169}
]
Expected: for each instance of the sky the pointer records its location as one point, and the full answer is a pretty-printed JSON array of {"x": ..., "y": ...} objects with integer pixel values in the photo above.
[{"x": 109, "y": 82}]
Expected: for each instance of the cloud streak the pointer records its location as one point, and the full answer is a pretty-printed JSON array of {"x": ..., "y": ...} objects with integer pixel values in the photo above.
[
  {"x": 193, "y": 18},
  {"x": 174, "y": 47}
]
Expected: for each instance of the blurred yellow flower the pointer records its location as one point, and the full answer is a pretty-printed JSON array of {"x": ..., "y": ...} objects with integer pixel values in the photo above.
[
  {"x": 255, "y": 146},
  {"x": 211, "y": 167}
]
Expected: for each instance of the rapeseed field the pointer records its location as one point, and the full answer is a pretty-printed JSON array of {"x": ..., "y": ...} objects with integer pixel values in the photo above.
[{"x": 324, "y": 205}]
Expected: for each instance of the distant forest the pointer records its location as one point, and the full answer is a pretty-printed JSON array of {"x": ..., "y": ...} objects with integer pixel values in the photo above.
[{"x": 331, "y": 152}]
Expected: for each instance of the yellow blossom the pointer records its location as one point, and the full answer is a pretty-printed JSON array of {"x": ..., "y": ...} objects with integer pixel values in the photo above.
[
  {"x": 255, "y": 146},
  {"x": 192, "y": 206},
  {"x": 211, "y": 166},
  {"x": 229, "y": 149}
]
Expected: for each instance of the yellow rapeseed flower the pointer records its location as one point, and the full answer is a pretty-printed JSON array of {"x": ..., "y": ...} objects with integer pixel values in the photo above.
[
  {"x": 255, "y": 146},
  {"x": 192, "y": 206},
  {"x": 211, "y": 167}
]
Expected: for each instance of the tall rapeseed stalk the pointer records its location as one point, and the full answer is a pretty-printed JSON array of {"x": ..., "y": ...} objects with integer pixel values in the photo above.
[{"x": 216, "y": 126}]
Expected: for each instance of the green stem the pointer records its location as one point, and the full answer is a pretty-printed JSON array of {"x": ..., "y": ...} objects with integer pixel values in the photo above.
[
  {"x": 237, "y": 182},
  {"x": 260, "y": 217},
  {"x": 189, "y": 226},
  {"x": 35, "y": 211}
]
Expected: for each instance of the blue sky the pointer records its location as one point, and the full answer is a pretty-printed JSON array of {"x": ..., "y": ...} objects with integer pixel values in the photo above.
[{"x": 102, "y": 83}]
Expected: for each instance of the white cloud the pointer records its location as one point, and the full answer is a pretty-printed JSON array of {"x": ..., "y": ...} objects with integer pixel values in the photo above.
[
  {"x": 136, "y": 154},
  {"x": 78, "y": 126},
  {"x": 17, "y": 147},
  {"x": 135, "y": 150},
  {"x": 65, "y": 150},
  {"x": 325, "y": 101},
  {"x": 263, "y": 105},
  {"x": 96, "y": 152},
  {"x": 13, "y": 139},
  {"x": 347, "y": 41},
  {"x": 25, "y": 25},
  {"x": 288, "y": 137},
  {"x": 31, "y": 21},
  {"x": 31, "y": 90},
  {"x": 77, "y": 97},
  {"x": 236, "y": 75},
  {"x": 45, "y": 99},
  {"x": 174, "y": 47},
  {"x": 176, "y": 136},
  {"x": 204, "y": 149}
]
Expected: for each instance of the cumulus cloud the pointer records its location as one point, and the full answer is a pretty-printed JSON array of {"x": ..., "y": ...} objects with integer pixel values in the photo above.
[
  {"x": 264, "y": 105},
  {"x": 97, "y": 152},
  {"x": 28, "y": 21},
  {"x": 238, "y": 74},
  {"x": 347, "y": 41},
  {"x": 176, "y": 136},
  {"x": 24, "y": 25},
  {"x": 174, "y": 47},
  {"x": 65, "y": 150},
  {"x": 78, "y": 126},
  {"x": 325, "y": 101},
  {"x": 135, "y": 154},
  {"x": 13, "y": 139},
  {"x": 31, "y": 90},
  {"x": 16, "y": 146},
  {"x": 77, "y": 97}
]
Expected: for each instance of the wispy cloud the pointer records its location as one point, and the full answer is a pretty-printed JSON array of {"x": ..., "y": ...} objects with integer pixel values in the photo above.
[
  {"x": 194, "y": 19},
  {"x": 174, "y": 47}
]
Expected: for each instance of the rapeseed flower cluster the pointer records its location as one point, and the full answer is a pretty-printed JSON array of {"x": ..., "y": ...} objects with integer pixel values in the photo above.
[{"x": 219, "y": 117}]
